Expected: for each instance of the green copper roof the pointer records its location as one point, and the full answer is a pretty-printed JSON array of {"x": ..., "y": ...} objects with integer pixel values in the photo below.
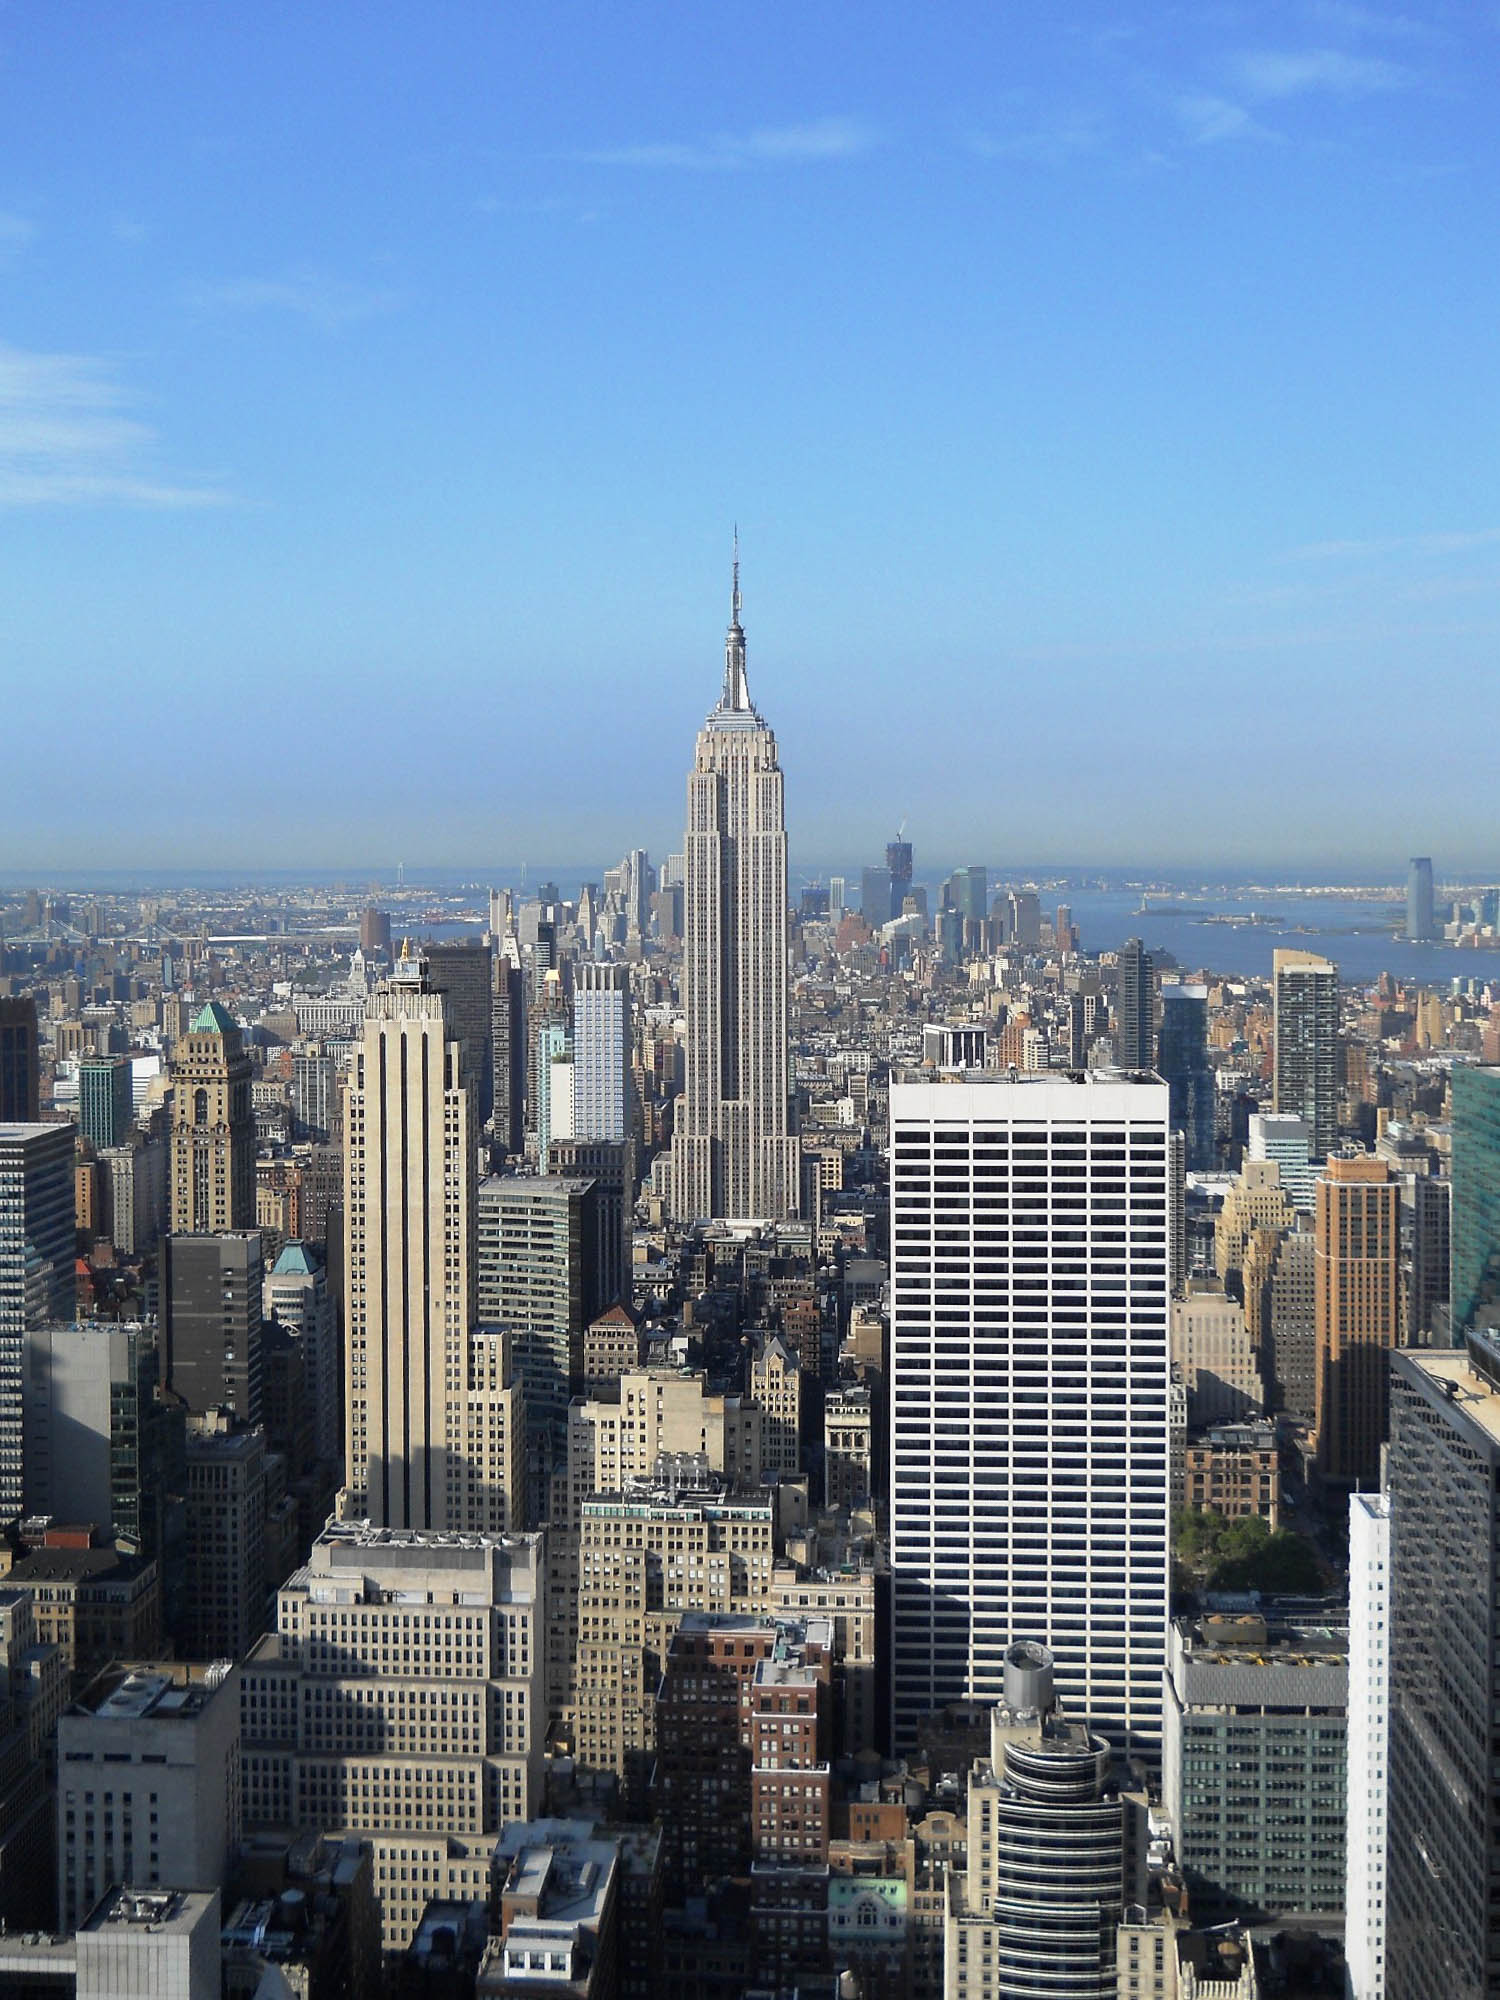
[
  {"x": 294, "y": 1262},
  {"x": 212, "y": 1019}
]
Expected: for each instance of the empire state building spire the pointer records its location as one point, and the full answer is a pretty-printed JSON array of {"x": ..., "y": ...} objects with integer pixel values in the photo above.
[
  {"x": 736, "y": 695},
  {"x": 735, "y": 1152}
]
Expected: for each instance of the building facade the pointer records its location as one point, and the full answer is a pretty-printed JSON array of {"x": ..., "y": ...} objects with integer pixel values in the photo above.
[
  {"x": 1369, "y": 1742},
  {"x": 401, "y": 1699},
  {"x": 100, "y": 1445},
  {"x": 409, "y": 1217},
  {"x": 1035, "y": 1910},
  {"x": 211, "y": 1305},
  {"x": 1474, "y": 1288},
  {"x": 38, "y": 1285},
  {"x": 1211, "y": 1348},
  {"x": 1182, "y": 1061},
  {"x": 1443, "y": 1842},
  {"x": 105, "y": 1112},
  {"x": 465, "y": 974},
  {"x": 213, "y": 1126},
  {"x": 1307, "y": 1024},
  {"x": 1028, "y": 1386},
  {"x": 1357, "y": 1311},
  {"x": 537, "y": 1275},
  {"x": 1254, "y": 1772},
  {"x": 20, "y": 1062},
  {"x": 1135, "y": 1008},
  {"x": 601, "y": 1052},
  {"x": 1421, "y": 926},
  {"x": 148, "y": 1784}
]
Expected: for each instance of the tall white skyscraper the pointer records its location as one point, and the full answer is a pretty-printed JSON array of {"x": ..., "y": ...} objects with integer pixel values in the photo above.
[
  {"x": 734, "y": 1153},
  {"x": 601, "y": 1052},
  {"x": 1029, "y": 1370},
  {"x": 409, "y": 1206},
  {"x": 1369, "y": 1734}
]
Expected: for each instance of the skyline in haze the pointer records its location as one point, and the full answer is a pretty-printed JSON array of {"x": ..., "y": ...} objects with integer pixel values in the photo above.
[{"x": 1099, "y": 401}]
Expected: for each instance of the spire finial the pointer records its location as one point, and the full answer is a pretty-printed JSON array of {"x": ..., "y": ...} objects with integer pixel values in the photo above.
[{"x": 736, "y": 695}]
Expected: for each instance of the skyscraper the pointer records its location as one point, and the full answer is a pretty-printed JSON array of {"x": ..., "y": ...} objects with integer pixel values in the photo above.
[
  {"x": 37, "y": 1283},
  {"x": 211, "y": 1304},
  {"x": 1283, "y": 1136},
  {"x": 375, "y": 932},
  {"x": 409, "y": 1175},
  {"x": 601, "y": 1052},
  {"x": 105, "y": 1112},
  {"x": 1474, "y": 1287},
  {"x": 1135, "y": 1008},
  {"x": 875, "y": 896},
  {"x": 101, "y": 1444},
  {"x": 734, "y": 1153},
  {"x": 1358, "y": 1314},
  {"x": 20, "y": 1068},
  {"x": 465, "y": 973},
  {"x": 295, "y": 1294},
  {"x": 536, "y": 1274},
  {"x": 213, "y": 1127},
  {"x": 508, "y": 1053},
  {"x": 898, "y": 867},
  {"x": 1369, "y": 1734},
  {"x": 1421, "y": 927},
  {"x": 1029, "y": 1352},
  {"x": 1308, "y": 1019},
  {"x": 1182, "y": 1062},
  {"x": 1037, "y": 1908},
  {"x": 1443, "y": 1845}
]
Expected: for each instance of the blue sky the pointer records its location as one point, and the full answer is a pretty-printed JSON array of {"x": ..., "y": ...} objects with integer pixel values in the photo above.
[{"x": 1106, "y": 396}]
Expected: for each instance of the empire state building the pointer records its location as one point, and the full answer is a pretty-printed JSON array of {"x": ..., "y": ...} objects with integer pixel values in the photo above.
[{"x": 734, "y": 1154}]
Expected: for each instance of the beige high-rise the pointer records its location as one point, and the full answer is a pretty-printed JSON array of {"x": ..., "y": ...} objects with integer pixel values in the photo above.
[
  {"x": 409, "y": 1195},
  {"x": 734, "y": 1153},
  {"x": 1357, "y": 1281},
  {"x": 213, "y": 1127}
]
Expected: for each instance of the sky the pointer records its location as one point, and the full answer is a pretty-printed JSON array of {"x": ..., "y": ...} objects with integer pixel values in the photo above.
[{"x": 1106, "y": 396}]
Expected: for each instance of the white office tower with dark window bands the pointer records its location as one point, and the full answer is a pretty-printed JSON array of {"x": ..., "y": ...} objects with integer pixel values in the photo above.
[
  {"x": 409, "y": 1207},
  {"x": 1368, "y": 1739},
  {"x": 734, "y": 1153},
  {"x": 1029, "y": 1371}
]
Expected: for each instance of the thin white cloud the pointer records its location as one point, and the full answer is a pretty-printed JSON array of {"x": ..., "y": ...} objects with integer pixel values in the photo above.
[
  {"x": 1458, "y": 541},
  {"x": 726, "y": 152},
  {"x": 66, "y": 438},
  {"x": 1207, "y": 120},
  {"x": 1349, "y": 17},
  {"x": 16, "y": 233},
  {"x": 325, "y": 302},
  {"x": 1278, "y": 73},
  {"x": 1046, "y": 145}
]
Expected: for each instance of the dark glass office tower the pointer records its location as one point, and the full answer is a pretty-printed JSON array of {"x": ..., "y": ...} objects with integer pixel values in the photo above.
[
  {"x": 898, "y": 867},
  {"x": 1308, "y": 1028},
  {"x": 1135, "y": 1008},
  {"x": 1182, "y": 1063},
  {"x": 211, "y": 1299},
  {"x": 1475, "y": 1226},
  {"x": 20, "y": 1068}
]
